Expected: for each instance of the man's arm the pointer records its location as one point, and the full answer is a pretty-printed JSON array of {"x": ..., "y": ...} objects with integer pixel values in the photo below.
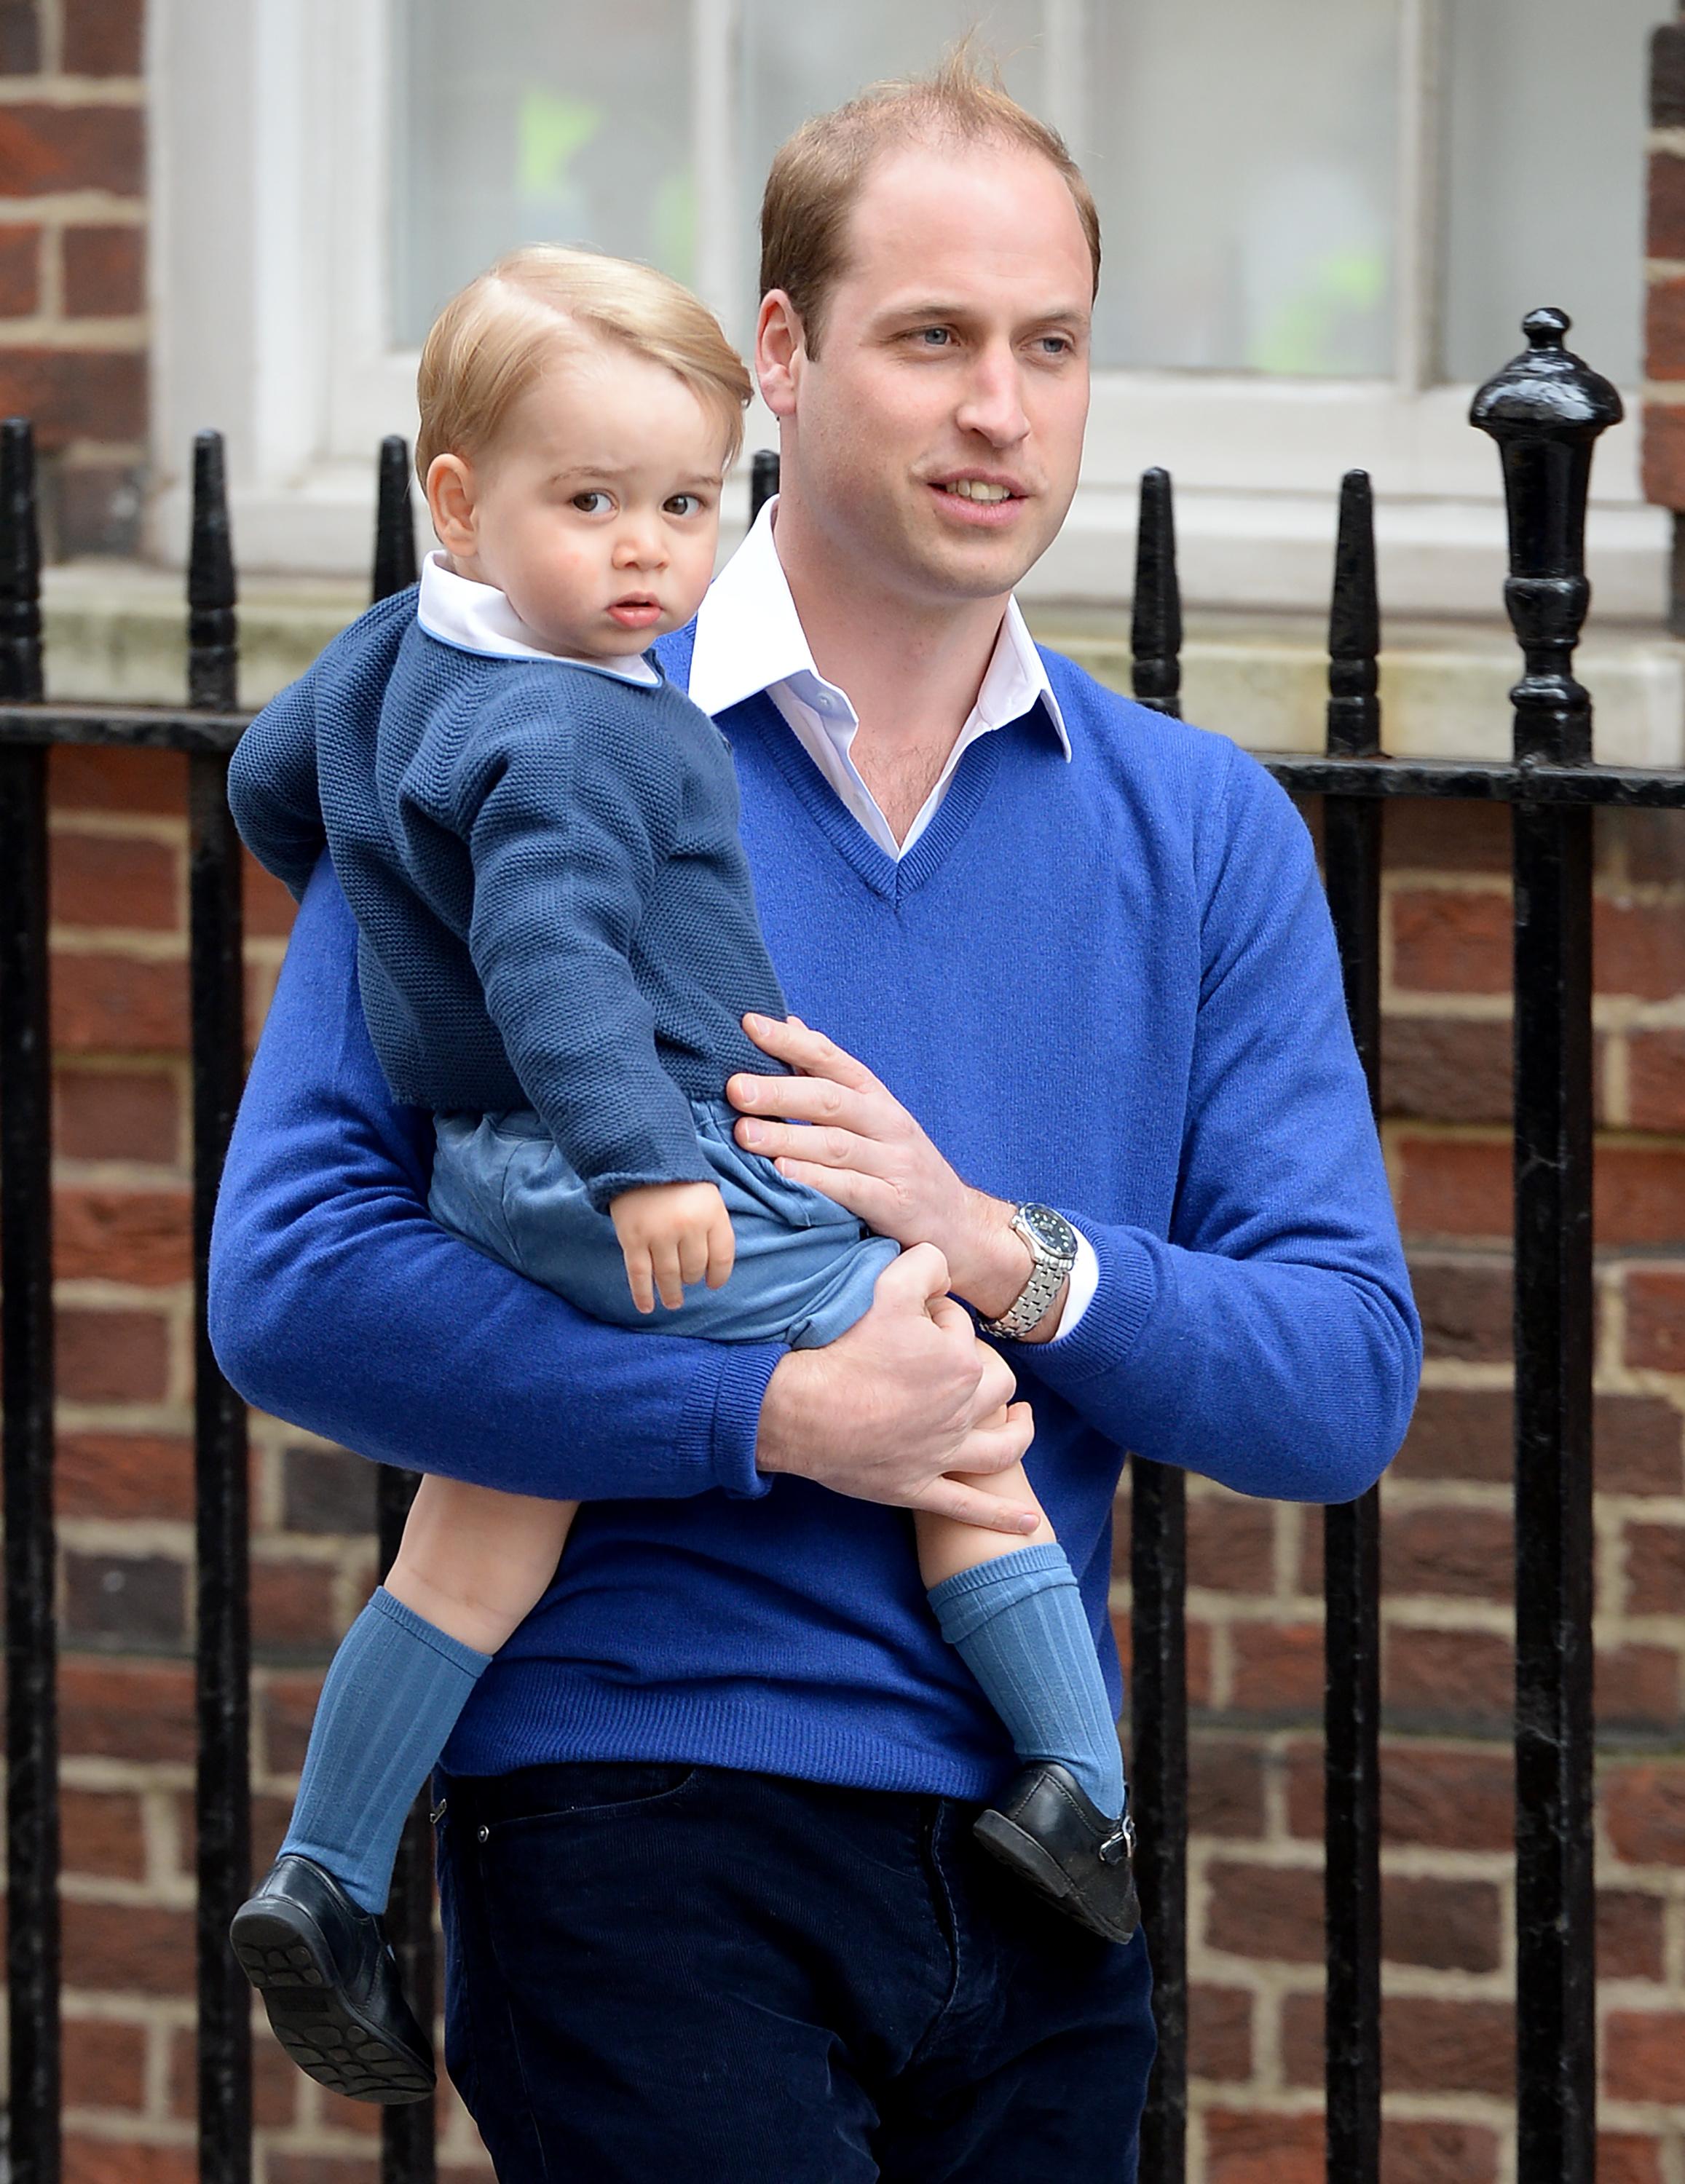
[
  {"x": 1269, "y": 1341},
  {"x": 339, "y": 1304}
]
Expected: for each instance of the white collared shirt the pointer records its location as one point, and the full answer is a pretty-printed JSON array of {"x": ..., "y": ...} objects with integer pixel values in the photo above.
[
  {"x": 750, "y": 639},
  {"x": 476, "y": 618}
]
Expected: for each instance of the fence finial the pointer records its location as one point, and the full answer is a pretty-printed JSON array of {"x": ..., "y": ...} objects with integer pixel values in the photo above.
[
  {"x": 1354, "y": 627},
  {"x": 1156, "y": 621},
  {"x": 763, "y": 481},
  {"x": 212, "y": 657},
  {"x": 394, "y": 524},
  {"x": 1545, "y": 409},
  {"x": 19, "y": 564}
]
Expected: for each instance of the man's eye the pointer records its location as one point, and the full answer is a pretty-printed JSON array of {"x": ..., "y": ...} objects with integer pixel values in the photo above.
[
  {"x": 590, "y": 504},
  {"x": 934, "y": 337},
  {"x": 1057, "y": 344}
]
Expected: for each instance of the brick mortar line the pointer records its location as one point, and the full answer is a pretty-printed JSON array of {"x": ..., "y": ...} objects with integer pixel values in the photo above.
[
  {"x": 1468, "y": 1375},
  {"x": 168, "y": 832},
  {"x": 63, "y": 90},
  {"x": 1442, "y": 879},
  {"x": 118, "y": 1176},
  {"x": 1404, "y": 1003},
  {"x": 174, "y": 1417},
  {"x": 132, "y": 943},
  {"x": 104, "y": 208},
  {"x": 128, "y": 1535},
  {"x": 118, "y": 335},
  {"x": 1658, "y": 270}
]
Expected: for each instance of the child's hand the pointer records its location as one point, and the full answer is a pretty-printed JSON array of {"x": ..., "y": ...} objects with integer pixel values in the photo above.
[{"x": 671, "y": 1233}]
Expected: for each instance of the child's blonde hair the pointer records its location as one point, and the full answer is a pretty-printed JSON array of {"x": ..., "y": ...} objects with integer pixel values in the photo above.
[{"x": 494, "y": 338}]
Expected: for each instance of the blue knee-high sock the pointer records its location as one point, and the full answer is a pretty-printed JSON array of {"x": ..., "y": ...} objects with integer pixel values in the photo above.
[
  {"x": 392, "y": 1694},
  {"x": 1019, "y": 1626}
]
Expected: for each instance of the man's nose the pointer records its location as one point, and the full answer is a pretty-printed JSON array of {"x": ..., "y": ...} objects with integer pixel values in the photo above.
[{"x": 993, "y": 405}]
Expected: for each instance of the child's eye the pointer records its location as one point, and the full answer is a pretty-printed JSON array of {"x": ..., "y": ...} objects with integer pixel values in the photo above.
[
  {"x": 591, "y": 504},
  {"x": 685, "y": 504}
]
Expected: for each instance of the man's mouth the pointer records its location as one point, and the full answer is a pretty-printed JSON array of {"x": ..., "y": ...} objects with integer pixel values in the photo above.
[{"x": 976, "y": 488}]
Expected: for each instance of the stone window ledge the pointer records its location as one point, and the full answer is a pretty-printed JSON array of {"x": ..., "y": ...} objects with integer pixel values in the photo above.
[{"x": 115, "y": 633}]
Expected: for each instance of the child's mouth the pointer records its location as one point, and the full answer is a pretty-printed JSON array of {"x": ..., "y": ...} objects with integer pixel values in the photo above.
[{"x": 635, "y": 613}]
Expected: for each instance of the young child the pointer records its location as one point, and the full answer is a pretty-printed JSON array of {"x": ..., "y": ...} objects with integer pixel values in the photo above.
[{"x": 557, "y": 944}]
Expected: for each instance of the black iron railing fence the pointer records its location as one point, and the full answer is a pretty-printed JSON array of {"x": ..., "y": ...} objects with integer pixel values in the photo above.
[{"x": 1545, "y": 409}]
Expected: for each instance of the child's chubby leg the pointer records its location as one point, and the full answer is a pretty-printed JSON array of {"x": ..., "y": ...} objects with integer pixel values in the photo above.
[
  {"x": 1012, "y": 1609},
  {"x": 946, "y": 1546},
  {"x": 474, "y": 1562}
]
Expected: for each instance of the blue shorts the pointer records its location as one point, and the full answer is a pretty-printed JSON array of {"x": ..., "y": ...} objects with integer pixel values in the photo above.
[{"x": 805, "y": 1267}]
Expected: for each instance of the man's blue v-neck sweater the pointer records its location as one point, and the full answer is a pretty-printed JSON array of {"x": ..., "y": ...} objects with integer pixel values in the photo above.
[{"x": 1109, "y": 984}]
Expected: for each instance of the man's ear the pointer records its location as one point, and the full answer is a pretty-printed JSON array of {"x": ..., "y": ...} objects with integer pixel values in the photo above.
[
  {"x": 451, "y": 504},
  {"x": 780, "y": 352}
]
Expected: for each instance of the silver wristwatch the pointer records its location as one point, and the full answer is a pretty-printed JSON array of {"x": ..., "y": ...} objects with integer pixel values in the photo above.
[{"x": 1052, "y": 1247}]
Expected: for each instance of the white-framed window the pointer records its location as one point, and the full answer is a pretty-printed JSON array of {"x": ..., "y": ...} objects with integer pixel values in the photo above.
[{"x": 1323, "y": 221}]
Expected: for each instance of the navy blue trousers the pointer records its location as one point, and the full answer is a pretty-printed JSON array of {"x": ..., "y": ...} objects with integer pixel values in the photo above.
[{"x": 713, "y": 1977}]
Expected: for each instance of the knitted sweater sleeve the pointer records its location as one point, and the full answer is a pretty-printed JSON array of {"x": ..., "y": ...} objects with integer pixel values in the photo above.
[
  {"x": 337, "y": 1303},
  {"x": 1269, "y": 1341},
  {"x": 566, "y": 830},
  {"x": 272, "y": 790}
]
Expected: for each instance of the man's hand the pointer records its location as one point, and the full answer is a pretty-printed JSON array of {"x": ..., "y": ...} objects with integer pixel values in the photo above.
[
  {"x": 670, "y": 1234},
  {"x": 866, "y": 1151},
  {"x": 900, "y": 1407}
]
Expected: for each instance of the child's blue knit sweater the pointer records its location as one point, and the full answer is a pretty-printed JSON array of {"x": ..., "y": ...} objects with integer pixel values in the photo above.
[
  {"x": 554, "y": 907},
  {"x": 1110, "y": 985}
]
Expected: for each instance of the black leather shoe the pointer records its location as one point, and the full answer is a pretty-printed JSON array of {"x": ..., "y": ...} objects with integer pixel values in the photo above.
[
  {"x": 1048, "y": 1831},
  {"x": 329, "y": 1981}
]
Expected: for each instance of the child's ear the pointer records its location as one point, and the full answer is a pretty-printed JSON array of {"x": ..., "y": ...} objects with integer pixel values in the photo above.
[{"x": 451, "y": 504}]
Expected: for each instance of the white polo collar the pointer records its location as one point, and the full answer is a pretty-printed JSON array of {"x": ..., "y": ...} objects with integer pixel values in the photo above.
[
  {"x": 478, "y": 618},
  {"x": 749, "y": 638}
]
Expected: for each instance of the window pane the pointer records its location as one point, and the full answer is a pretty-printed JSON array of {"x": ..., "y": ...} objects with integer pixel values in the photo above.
[
  {"x": 799, "y": 60},
  {"x": 537, "y": 121},
  {"x": 1545, "y": 176},
  {"x": 1244, "y": 158}
]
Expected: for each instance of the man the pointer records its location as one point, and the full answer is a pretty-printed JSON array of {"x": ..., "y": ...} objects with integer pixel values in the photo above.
[{"x": 711, "y": 1903}]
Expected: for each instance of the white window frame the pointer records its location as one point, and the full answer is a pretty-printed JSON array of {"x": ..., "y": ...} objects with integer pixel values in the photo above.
[{"x": 269, "y": 179}]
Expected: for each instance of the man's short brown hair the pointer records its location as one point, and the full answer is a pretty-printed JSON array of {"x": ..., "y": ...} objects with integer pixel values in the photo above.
[{"x": 817, "y": 174}]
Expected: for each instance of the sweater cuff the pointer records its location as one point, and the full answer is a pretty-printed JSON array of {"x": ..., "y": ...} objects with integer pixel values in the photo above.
[
  {"x": 723, "y": 1420},
  {"x": 1106, "y": 1331}
]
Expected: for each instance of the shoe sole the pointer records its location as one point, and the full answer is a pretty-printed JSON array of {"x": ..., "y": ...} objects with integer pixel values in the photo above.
[
  {"x": 282, "y": 1953},
  {"x": 1020, "y": 1852}
]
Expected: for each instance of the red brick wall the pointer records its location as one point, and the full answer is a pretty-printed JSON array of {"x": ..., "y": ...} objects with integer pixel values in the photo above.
[
  {"x": 73, "y": 329},
  {"x": 1255, "y": 1580},
  {"x": 1253, "y": 1600}
]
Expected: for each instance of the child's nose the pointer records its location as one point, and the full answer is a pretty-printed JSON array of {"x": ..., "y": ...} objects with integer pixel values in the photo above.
[{"x": 639, "y": 546}]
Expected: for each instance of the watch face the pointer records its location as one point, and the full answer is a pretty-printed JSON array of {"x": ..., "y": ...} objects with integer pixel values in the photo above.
[{"x": 1050, "y": 1230}]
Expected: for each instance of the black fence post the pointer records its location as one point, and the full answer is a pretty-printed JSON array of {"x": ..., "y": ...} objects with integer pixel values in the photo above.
[
  {"x": 408, "y": 2152},
  {"x": 222, "y": 1495},
  {"x": 394, "y": 520},
  {"x": 1158, "y": 1680},
  {"x": 1351, "y": 1531},
  {"x": 26, "y": 1391},
  {"x": 1545, "y": 409}
]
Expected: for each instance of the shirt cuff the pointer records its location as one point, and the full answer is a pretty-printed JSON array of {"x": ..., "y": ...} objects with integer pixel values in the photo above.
[{"x": 1079, "y": 1287}]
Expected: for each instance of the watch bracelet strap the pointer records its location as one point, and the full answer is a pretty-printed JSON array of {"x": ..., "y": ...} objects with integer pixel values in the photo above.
[{"x": 1028, "y": 1308}]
